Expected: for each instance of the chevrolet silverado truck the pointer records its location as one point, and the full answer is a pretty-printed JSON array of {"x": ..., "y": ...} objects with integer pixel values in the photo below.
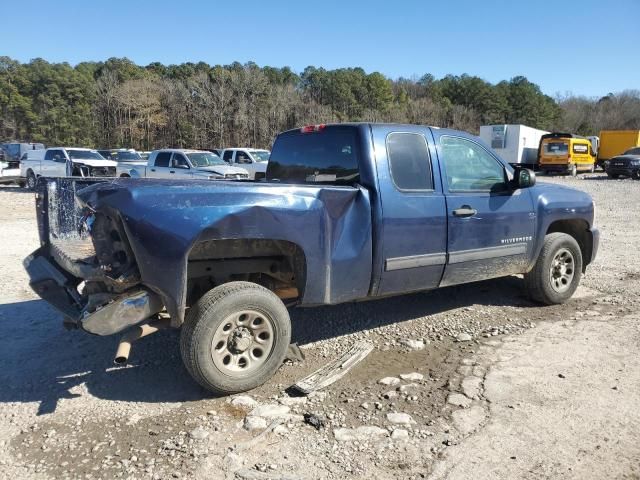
[
  {"x": 180, "y": 163},
  {"x": 347, "y": 212}
]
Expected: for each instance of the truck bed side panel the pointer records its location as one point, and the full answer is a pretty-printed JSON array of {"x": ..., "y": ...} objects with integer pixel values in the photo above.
[{"x": 332, "y": 225}]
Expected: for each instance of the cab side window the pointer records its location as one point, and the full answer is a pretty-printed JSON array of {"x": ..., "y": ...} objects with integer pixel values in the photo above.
[
  {"x": 470, "y": 168},
  {"x": 162, "y": 159},
  {"x": 228, "y": 155},
  {"x": 242, "y": 157},
  {"x": 179, "y": 161},
  {"x": 409, "y": 161},
  {"x": 55, "y": 155}
]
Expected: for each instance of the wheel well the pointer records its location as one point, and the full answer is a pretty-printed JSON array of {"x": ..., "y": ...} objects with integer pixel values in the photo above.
[
  {"x": 125, "y": 175},
  {"x": 278, "y": 265},
  {"x": 578, "y": 229}
]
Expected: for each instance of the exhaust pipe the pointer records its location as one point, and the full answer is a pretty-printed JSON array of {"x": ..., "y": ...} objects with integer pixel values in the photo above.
[{"x": 124, "y": 347}]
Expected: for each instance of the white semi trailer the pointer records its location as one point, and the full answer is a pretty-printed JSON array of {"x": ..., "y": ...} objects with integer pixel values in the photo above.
[{"x": 517, "y": 144}]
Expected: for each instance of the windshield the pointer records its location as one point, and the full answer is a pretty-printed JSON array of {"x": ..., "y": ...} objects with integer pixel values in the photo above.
[
  {"x": 556, "y": 148},
  {"x": 260, "y": 155},
  {"x": 124, "y": 156},
  {"x": 205, "y": 159},
  {"x": 84, "y": 155}
]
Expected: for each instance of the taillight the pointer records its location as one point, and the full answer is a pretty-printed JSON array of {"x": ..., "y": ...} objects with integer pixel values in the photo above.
[{"x": 312, "y": 128}]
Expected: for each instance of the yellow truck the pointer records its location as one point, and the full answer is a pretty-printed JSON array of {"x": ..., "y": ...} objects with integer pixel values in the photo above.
[
  {"x": 565, "y": 153},
  {"x": 616, "y": 142}
]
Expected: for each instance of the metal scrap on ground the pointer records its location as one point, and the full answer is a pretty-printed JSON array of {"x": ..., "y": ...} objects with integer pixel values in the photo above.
[{"x": 334, "y": 371}]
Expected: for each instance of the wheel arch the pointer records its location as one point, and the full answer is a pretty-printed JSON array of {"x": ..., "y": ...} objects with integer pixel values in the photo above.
[
  {"x": 579, "y": 230},
  {"x": 278, "y": 265}
]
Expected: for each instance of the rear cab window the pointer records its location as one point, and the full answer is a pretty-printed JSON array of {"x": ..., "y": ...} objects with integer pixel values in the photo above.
[
  {"x": 409, "y": 161},
  {"x": 316, "y": 155}
]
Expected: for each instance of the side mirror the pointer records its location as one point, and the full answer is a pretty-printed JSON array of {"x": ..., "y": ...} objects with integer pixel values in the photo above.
[{"x": 523, "y": 178}]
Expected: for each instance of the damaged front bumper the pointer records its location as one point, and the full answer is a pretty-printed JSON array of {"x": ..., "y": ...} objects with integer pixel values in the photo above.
[{"x": 60, "y": 290}]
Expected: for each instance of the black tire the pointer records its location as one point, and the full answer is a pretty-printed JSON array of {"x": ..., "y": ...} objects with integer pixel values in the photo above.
[
  {"x": 573, "y": 170},
  {"x": 22, "y": 184},
  {"x": 31, "y": 180},
  {"x": 205, "y": 319},
  {"x": 635, "y": 174},
  {"x": 612, "y": 175},
  {"x": 538, "y": 281}
]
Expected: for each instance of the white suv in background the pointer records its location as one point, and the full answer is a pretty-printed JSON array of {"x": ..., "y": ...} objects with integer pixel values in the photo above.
[{"x": 253, "y": 160}]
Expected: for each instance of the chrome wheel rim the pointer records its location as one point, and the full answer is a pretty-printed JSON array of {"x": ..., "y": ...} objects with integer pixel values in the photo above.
[
  {"x": 31, "y": 181},
  {"x": 562, "y": 270},
  {"x": 242, "y": 343}
]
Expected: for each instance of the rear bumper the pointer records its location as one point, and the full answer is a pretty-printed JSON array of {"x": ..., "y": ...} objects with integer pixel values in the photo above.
[
  {"x": 555, "y": 167},
  {"x": 59, "y": 289}
]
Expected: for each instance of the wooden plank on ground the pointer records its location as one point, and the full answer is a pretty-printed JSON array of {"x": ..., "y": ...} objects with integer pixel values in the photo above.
[{"x": 334, "y": 371}]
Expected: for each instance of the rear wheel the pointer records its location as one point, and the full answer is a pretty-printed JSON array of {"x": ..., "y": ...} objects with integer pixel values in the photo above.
[
  {"x": 235, "y": 337},
  {"x": 557, "y": 272},
  {"x": 31, "y": 180},
  {"x": 573, "y": 170},
  {"x": 612, "y": 175}
]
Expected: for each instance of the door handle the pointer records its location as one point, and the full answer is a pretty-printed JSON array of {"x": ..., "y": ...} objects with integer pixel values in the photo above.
[
  {"x": 172, "y": 171},
  {"x": 153, "y": 169},
  {"x": 464, "y": 211}
]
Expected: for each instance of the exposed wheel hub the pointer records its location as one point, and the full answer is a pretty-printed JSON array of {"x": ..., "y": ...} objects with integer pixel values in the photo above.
[
  {"x": 240, "y": 340},
  {"x": 562, "y": 270}
]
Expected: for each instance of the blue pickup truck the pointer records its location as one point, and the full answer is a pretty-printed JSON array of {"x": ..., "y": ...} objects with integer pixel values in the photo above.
[{"x": 347, "y": 212}]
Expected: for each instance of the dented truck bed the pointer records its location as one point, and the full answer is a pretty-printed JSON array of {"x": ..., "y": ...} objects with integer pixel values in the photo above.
[{"x": 115, "y": 252}]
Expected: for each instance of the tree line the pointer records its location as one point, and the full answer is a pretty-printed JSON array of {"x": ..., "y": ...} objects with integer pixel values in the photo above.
[{"x": 117, "y": 103}]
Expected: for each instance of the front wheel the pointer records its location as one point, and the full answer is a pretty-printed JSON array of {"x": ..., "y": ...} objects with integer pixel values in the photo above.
[
  {"x": 557, "y": 272},
  {"x": 235, "y": 337},
  {"x": 635, "y": 174}
]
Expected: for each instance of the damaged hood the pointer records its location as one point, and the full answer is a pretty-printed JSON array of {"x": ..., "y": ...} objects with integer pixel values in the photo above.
[
  {"x": 95, "y": 163},
  {"x": 223, "y": 170}
]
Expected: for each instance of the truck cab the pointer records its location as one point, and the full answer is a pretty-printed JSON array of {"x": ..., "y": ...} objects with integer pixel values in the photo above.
[{"x": 254, "y": 160}]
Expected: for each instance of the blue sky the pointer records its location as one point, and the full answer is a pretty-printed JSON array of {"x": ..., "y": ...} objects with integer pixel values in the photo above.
[{"x": 585, "y": 47}]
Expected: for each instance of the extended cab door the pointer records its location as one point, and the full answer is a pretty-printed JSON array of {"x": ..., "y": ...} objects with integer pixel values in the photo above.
[
  {"x": 490, "y": 226},
  {"x": 159, "y": 166},
  {"x": 180, "y": 167},
  {"x": 414, "y": 224},
  {"x": 54, "y": 163}
]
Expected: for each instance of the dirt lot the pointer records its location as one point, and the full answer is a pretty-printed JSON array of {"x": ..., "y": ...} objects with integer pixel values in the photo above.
[{"x": 537, "y": 392}]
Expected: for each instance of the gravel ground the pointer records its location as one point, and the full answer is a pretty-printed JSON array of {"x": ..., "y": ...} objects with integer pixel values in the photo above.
[{"x": 66, "y": 412}]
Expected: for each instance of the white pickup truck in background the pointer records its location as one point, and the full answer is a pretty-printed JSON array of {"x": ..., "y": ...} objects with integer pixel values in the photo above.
[
  {"x": 254, "y": 160},
  {"x": 64, "y": 162},
  {"x": 180, "y": 163}
]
